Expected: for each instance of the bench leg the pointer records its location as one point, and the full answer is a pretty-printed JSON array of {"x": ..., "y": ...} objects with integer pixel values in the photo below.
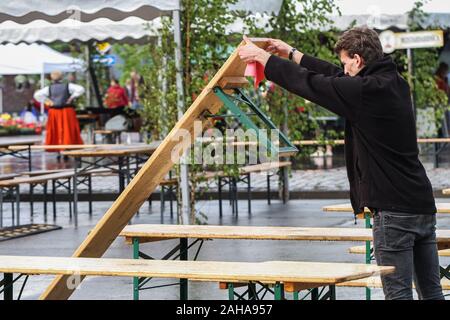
[
  {"x": 1, "y": 208},
  {"x": 121, "y": 176},
  {"x": 230, "y": 291},
  {"x": 8, "y": 286},
  {"x": 90, "y": 194},
  {"x": 445, "y": 272},
  {"x": 45, "y": 202},
  {"x": 18, "y": 204},
  {"x": 13, "y": 216},
  {"x": 54, "y": 199},
  {"x": 31, "y": 203},
  {"x": 249, "y": 194},
  {"x": 220, "y": 196},
  {"x": 252, "y": 295},
  {"x": 30, "y": 168},
  {"x": 171, "y": 201},
  {"x": 162, "y": 203},
  {"x": 268, "y": 189},
  {"x": 135, "y": 279},
  {"x": 75, "y": 192},
  {"x": 279, "y": 291},
  {"x": 183, "y": 256}
]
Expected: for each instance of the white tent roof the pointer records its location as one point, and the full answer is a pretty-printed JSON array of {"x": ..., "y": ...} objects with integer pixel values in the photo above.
[
  {"x": 35, "y": 59},
  {"x": 24, "y": 11},
  {"x": 69, "y": 30},
  {"x": 67, "y": 20}
]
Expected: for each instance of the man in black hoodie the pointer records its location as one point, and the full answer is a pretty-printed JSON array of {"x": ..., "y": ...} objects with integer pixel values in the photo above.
[{"x": 381, "y": 151}]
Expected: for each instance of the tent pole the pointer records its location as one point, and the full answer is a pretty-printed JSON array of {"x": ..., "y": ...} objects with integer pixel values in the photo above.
[
  {"x": 88, "y": 80},
  {"x": 94, "y": 79},
  {"x": 42, "y": 86},
  {"x": 184, "y": 173}
]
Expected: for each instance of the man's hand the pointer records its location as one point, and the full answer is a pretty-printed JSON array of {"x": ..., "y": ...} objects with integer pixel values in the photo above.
[
  {"x": 252, "y": 53},
  {"x": 279, "y": 48},
  {"x": 282, "y": 49}
]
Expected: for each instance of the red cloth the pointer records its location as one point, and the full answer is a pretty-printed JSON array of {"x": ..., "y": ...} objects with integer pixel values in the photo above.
[
  {"x": 256, "y": 70},
  {"x": 116, "y": 96},
  {"x": 443, "y": 85},
  {"x": 62, "y": 127}
]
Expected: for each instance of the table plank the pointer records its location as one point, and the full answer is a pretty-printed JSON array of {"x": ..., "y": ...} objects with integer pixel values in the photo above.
[
  {"x": 113, "y": 150},
  {"x": 442, "y": 207},
  {"x": 283, "y": 271},
  {"x": 166, "y": 231}
]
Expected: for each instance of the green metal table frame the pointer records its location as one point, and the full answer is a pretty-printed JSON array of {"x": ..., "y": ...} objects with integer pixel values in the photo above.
[{"x": 253, "y": 293}]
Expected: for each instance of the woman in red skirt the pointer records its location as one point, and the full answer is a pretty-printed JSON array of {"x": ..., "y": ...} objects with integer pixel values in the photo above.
[{"x": 62, "y": 123}]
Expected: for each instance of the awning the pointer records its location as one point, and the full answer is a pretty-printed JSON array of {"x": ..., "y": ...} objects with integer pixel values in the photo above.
[
  {"x": 69, "y": 30},
  {"x": 57, "y": 10}
]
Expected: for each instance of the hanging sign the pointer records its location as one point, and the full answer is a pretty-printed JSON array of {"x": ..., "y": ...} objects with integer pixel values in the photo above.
[{"x": 411, "y": 40}]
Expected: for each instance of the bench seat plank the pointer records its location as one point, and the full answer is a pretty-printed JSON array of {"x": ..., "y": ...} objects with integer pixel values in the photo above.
[
  {"x": 442, "y": 207},
  {"x": 283, "y": 271},
  {"x": 362, "y": 250},
  {"x": 147, "y": 232},
  {"x": 375, "y": 282}
]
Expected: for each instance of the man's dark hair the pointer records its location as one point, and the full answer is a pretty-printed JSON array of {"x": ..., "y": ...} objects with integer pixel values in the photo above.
[
  {"x": 362, "y": 41},
  {"x": 442, "y": 70}
]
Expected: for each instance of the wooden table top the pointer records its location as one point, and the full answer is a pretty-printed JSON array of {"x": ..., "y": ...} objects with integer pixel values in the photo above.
[
  {"x": 338, "y": 142},
  {"x": 64, "y": 146},
  {"x": 443, "y": 207},
  {"x": 283, "y": 271},
  {"x": 113, "y": 150},
  {"x": 156, "y": 232},
  {"x": 8, "y": 142}
]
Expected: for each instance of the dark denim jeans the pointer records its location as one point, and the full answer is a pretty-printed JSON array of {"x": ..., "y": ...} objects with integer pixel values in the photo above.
[{"x": 407, "y": 242}]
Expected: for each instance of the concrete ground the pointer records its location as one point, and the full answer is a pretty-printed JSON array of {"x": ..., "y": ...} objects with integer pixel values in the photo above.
[{"x": 295, "y": 213}]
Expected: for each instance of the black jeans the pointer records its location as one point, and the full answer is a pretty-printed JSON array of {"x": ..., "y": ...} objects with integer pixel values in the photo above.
[{"x": 407, "y": 242}]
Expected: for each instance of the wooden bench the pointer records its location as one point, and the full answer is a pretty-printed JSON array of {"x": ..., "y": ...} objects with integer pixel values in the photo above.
[
  {"x": 439, "y": 145},
  {"x": 143, "y": 233},
  {"x": 375, "y": 282},
  {"x": 59, "y": 178},
  {"x": 286, "y": 274},
  {"x": 224, "y": 179},
  {"x": 446, "y": 191},
  {"x": 362, "y": 250},
  {"x": 61, "y": 146},
  {"x": 114, "y": 134},
  {"x": 442, "y": 207}
]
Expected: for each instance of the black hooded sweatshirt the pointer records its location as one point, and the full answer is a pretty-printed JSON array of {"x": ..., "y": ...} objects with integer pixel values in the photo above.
[{"x": 382, "y": 156}]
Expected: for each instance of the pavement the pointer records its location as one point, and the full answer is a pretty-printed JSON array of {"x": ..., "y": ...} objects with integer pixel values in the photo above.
[{"x": 305, "y": 213}]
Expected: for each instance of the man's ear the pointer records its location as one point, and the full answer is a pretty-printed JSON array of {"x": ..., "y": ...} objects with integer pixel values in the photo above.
[{"x": 359, "y": 60}]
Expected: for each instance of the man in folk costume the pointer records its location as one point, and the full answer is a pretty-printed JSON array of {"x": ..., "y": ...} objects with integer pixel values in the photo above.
[{"x": 62, "y": 123}]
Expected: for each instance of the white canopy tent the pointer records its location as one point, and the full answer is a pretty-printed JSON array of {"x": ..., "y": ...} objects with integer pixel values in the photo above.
[{"x": 35, "y": 59}]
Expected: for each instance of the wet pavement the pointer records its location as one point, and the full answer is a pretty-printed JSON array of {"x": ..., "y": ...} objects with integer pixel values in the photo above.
[
  {"x": 305, "y": 213},
  {"x": 318, "y": 174}
]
